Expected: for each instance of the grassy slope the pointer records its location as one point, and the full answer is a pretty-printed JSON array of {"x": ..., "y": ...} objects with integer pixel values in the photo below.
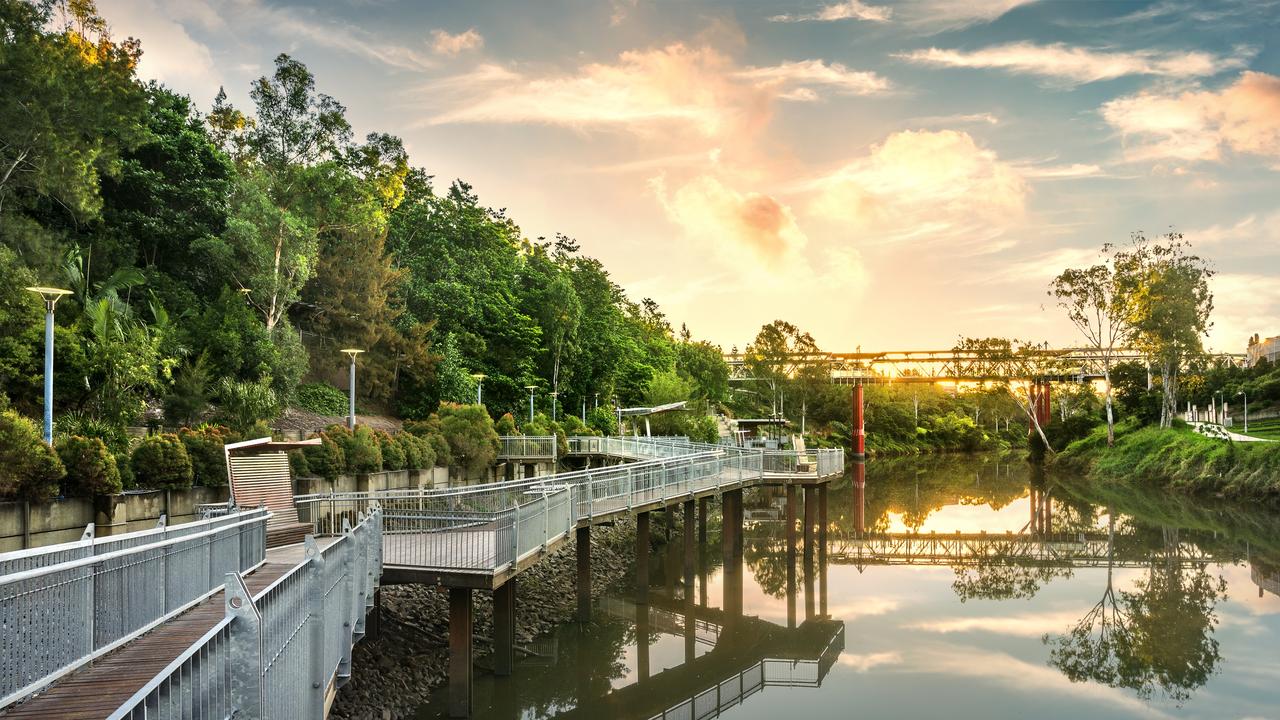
[{"x": 1178, "y": 458}]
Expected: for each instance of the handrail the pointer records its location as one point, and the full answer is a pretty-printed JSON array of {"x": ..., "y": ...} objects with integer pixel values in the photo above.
[{"x": 81, "y": 614}]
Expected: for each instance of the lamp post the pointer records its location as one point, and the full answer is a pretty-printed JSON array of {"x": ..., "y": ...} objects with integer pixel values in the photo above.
[
  {"x": 1246, "y": 410},
  {"x": 51, "y": 297},
  {"x": 554, "y": 395},
  {"x": 597, "y": 405},
  {"x": 351, "y": 386},
  {"x": 479, "y": 378},
  {"x": 530, "y": 388}
]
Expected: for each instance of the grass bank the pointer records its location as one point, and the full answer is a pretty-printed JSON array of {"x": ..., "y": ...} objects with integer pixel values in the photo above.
[{"x": 1178, "y": 458}]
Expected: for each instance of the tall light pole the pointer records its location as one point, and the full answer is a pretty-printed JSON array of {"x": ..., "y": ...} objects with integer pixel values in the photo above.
[
  {"x": 597, "y": 405},
  {"x": 1246, "y": 410},
  {"x": 51, "y": 297},
  {"x": 530, "y": 388},
  {"x": 351, "y": 386},
  {"x": 554, "y": 395},
  {"x": 479, "y": 378}
]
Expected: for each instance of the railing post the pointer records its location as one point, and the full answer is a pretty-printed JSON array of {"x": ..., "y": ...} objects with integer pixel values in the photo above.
[
  {"x": 361, "y": 576},
  {"x": 315, "y": 630},
  {"x": 245, "y": 649},
  {"x": 347, "y": 596}
]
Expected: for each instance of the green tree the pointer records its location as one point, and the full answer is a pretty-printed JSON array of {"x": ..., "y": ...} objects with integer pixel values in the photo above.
[
  {"x": 473, "y": 443},
  {"x": 91, "y": 469},
  {"x": 161, "y": 462},
  {"x": 29, "y": 467},
  {"x": 1097, "y": 305},
  {"x": 1169, "y": 301}
]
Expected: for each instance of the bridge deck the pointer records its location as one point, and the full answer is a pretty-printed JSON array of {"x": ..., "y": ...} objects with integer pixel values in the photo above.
[{"x": 97, "y": 690}]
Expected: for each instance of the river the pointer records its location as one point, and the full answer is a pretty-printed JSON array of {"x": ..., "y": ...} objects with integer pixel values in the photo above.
[{"x": 1058, "y": 599}]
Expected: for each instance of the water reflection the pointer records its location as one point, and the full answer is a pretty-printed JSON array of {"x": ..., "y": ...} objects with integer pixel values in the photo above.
[{"x": 974, "y": 588}]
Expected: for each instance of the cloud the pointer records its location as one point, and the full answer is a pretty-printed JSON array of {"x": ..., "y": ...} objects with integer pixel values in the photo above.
[
  {"x": 170, "y": 54},
  {"x": 941, "y": 15},
  {"x": 1243, "y": 117},
  {"x": 1243, "y": 304},
  {"x": 1024, "y": 625},
  {"x": 699, "y": 88},
  {"x": 1059, "y": 172},
  {"x": 800, "y": 75},
  {"x": 444, "y": 43},
  {"x": 732, "y": 221},
  {"x": 864, "y": 663},
  {"x": 1078, "y": 65},
  {"x": 985, "y": 118},
  {"x": 847, "y": 10},
  {"x": 921, "y": 185}
]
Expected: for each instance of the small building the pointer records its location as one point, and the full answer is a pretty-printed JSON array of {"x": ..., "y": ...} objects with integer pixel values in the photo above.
[{"x": 1263, "y": 349}]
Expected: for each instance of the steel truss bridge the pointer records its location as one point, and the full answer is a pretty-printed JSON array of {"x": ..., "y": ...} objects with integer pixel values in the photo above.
[
  {"x": 954, "y": 365},
  {"x": 1074, "y": 550}
]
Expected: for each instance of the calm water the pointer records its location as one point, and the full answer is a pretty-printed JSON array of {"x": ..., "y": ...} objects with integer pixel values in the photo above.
[{"x": 1079, "y": 602}]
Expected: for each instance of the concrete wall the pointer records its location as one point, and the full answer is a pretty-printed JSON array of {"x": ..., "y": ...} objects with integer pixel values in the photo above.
[
  {"x": 365, "y": 482},
  {"x": 37, "y": 524}
]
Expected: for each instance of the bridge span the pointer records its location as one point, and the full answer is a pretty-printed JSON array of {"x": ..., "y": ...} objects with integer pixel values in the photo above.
[{"x": 205, "y": 621}]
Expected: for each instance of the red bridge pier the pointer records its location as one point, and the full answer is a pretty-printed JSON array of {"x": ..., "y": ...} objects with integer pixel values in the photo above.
[{"x": 859, "y": 431}]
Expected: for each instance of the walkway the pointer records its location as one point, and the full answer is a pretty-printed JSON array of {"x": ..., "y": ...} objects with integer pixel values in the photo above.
[{"x": 1216, "y": 430}]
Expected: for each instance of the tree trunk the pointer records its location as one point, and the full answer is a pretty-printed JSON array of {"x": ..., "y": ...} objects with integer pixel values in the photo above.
[{"x": 1111, "y": 421}]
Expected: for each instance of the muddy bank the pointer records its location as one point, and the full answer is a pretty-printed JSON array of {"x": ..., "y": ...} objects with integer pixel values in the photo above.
[{"x": 396, "y": 673}]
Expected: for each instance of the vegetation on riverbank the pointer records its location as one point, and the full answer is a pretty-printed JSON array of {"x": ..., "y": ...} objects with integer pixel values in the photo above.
[{"x": 1179, "y": 458}]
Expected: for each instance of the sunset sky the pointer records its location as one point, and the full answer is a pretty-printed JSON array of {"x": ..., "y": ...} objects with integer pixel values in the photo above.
[{"x": 883, "y": 174}]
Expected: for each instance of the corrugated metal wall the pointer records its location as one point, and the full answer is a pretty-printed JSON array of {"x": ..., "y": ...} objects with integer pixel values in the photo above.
[{"x": 264, "y": 479}]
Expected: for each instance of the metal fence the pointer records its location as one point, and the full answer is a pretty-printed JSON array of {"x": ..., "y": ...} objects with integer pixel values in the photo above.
[
  {"x": 64, "y": 605},
  {"x": 274, "y": 655},
  {"x": 486, "y": 528},
  {"x": 527, "y": 447}
]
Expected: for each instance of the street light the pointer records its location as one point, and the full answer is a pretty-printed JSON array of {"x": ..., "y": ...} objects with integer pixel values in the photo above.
[
  {"x": 1246, "y": 410},
  {"x": 51, "y": 297},
  {"x": 554, "y": 395},
  {"x": 479, "y": 378},
  {"x": 351, "y": 385},
  {"x": 530, "y": 388}
]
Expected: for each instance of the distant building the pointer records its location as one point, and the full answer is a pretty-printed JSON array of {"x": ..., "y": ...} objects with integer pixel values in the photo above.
[{"x": 1268, "y": 349}]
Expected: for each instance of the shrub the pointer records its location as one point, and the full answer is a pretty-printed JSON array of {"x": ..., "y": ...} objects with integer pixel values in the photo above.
[
  {"x": 161, "y": 462},
  {"x": 393, "y": 457},
  {"x": 704, "y": 429},
  {"x": 409, "y": 446},
  {"x": 430, "y": 431},
  {"x": 125, "y": 467},
  {"x": 205, "y": 448},
  {"x": 82, "y": 424},
  {"x": 473, "y": 443},
  {"x": 29, "y": 468},
  {"x": 190, "y": 393},
  {"x": 321, "y": 398},
  {"x": 506, "y": 425},
  {"x": 243, "y": 404},
  {"x": 573, "y": 425},
  {"x": 325, "y": 460},
  {"x": 298, "y": 466},
  {"x": 359, "y": 447},
  {"x": 603, "y": 420},
  {"x": 91, "y": 469}
]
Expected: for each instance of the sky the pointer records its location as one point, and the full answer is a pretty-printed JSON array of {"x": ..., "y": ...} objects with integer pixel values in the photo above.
[{"x": 885, "y": 175}]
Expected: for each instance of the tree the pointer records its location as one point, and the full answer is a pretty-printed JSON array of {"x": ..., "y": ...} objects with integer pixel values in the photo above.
[
  {"x": 473, "y": 443},
  {"x": 1169, "y": 303},
  {"x": 780, "y": 353},
  {"x": 69, "y": 106},
  {"x": 1096, "y": 303},
  {"x": 29, "y": 467}
]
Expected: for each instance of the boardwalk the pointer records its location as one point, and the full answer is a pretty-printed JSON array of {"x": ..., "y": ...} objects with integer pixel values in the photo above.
[{"x": 169, "y": 642}]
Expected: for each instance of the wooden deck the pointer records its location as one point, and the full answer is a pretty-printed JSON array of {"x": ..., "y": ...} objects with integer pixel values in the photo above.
[{"x": 98, "y": 689}]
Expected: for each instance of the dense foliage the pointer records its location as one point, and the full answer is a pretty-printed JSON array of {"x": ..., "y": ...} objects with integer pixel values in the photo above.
[
  {"x": 161, "y": 462},
  {"x": 218, "y": 259},
  {"x": 29, "y": 468},
  {"x": 91, "y": 469}
]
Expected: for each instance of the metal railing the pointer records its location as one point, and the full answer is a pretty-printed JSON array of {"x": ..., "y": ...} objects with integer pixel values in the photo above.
[
  {"x": 64, "y": 605},
  {"x": 486, "y": 528},
  {"x": 275, "y": 654},
  {"x": 527, "y": 447}
]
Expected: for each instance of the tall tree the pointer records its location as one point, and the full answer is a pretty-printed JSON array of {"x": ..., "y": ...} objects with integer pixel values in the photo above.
[
  {"x": 1096, "y": 303},
  {"x": 1169, "y": 301}
]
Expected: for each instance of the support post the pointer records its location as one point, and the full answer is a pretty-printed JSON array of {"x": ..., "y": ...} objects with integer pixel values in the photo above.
[
  {"x": 245, "y": 648},
  {"x": 642, "y": 558},
  {"x": 504, "y": 628},
  {"x": 702, "y": 520},
  {"x": 642, "y": 641},
  {"x": 810, "y": 522},
  {"x": 583, "y": 536},
  {"x": 460, "y": 622},
  {"x": 822, "y": 549},
  {"x": 860, "y": 497},
  {"x": 859, "y": 431},
  {"x": 791, "y": 556},
  {"x": 315, "y": 630},
  {"x": 688, "y": 548}
]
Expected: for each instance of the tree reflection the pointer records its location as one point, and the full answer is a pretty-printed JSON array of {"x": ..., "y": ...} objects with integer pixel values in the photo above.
[
  {"x": 1003, "y": 580},
  {"x": 1157, "y": 637}
]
